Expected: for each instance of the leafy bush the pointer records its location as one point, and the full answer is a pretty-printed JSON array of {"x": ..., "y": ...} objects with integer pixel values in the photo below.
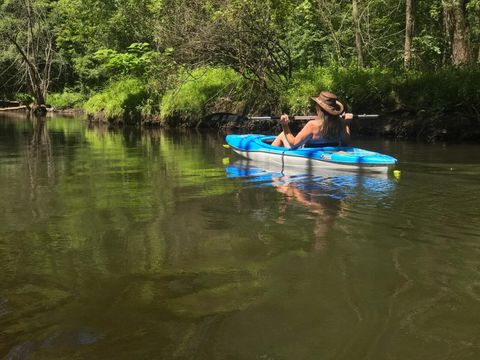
[
  {"x": 445, "y": 91},
  {"x": 305, "y": 84},
  {"x": 440, "y": 93},
  {"x": 24, "y": 98},
  {"x": 66, "y": 100},
  {"x": 365, "y": 89},
  {"x": 120, "y": 99},
  {"x": 200, "y": 92},
  {"x": 135, "y": 61}
]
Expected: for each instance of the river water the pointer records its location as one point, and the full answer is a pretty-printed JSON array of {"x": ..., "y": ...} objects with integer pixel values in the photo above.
[{"x": 136, "y": 244}]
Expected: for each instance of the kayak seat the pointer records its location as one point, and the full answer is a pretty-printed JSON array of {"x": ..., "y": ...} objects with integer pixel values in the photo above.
[{"x": 320, "y": 145}]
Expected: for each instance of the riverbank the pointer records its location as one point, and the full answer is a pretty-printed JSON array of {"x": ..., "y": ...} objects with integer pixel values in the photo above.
[
  {"x": 399, "y": 125},
  {"x": 440, "y": 105}
]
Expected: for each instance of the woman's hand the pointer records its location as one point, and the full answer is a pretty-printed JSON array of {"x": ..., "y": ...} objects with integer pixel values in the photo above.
[
  {"x": 284, "y": 119},
  {"x": 347, "y": 116}
]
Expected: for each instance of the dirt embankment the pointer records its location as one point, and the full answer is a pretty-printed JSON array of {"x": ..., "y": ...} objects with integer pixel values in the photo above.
[
  {"x": 399, "y": 125},
  {"x": 396, "y": 125}
]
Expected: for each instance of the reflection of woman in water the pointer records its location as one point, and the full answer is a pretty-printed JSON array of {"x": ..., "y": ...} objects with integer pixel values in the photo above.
[{"x": 323, "y": 208}]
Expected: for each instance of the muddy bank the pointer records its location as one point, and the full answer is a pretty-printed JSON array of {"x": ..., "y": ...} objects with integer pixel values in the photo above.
[{"x": 399, "y": 125}]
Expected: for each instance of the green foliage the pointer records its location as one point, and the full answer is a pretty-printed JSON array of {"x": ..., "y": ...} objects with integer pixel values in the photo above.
[
  {"x": 24, "y": 98},
  {"x": 242, "y": 54},
  {"x": 135, "y": 61},
  {"x": 200, "y": 91},
  {"x": 66, "y": 100},
  {"x": 364, "y": 89},
  {"x": 360, "y": 88},
  {"x": 83, "y": 27},
  {"x": 10, "y": 66},
  {"x": 446, "y": 91},
  {"x": 121, "y": 98},
  {"x": 305, "y": 84},
  {"x": 439, "y": 93},
  {"x": 430, "y": 46}
]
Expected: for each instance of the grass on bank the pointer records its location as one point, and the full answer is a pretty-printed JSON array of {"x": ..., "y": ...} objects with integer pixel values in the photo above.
[
  {"x": 121, "y": 99},
  {"x": 66, "y": 100},
  {"x": 201, "y": 92}
]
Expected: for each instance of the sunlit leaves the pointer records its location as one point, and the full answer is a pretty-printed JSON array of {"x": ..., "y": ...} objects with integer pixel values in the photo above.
[{"x": 134, "y": 61}]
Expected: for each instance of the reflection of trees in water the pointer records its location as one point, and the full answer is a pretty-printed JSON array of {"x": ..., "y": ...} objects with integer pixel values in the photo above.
[
  {"x": 40, "y": 161},
  {"x": 39, "y": 152},
  {"x": 103, "y": 243}
]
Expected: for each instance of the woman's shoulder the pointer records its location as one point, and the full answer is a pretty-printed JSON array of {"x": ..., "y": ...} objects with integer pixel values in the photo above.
[{"x": 315, "y": 123}]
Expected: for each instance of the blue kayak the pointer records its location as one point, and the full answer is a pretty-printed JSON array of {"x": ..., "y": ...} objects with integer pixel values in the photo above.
[{"x": 258, "y": 147}]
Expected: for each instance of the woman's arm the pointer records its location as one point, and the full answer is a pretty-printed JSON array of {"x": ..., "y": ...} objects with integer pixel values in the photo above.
[
  {"x": 345, "y": 136},
  {"x": 287, "y": 139},
  {"x": 301, "y": 137},
  {"x": 286, "y": 130}
]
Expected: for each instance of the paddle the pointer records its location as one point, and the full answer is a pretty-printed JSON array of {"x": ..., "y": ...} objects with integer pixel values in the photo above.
[{"x": 311, "y": 117}]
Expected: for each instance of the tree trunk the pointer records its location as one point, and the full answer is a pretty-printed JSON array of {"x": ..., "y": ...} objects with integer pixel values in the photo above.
[
  {"x": 477, "y": 17},
  {"x": 358, "y": 37},
  {"x": 458, "y": 31},
  {"x": 407, "y": 55}
]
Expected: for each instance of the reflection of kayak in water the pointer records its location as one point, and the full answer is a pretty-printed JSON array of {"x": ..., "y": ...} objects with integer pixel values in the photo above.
[
  {"x": 258, "y": 148},
  {"x": 326, "y": 195},
  {"x": 331, "y": 183}
]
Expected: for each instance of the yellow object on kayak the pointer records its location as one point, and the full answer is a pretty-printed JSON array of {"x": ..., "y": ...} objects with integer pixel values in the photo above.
[{"x": 397, "y": 174}]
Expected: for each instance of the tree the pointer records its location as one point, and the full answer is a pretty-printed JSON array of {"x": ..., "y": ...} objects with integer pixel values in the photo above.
[
  {"x": 358, "y": 36},
  {"x": 25, "y": 26},
  {"x": 457, "y": 31},
  {"x": 473, "y": 12},
  {"x": 407, "y": 54},
  {"x": 245, "y": 35}
]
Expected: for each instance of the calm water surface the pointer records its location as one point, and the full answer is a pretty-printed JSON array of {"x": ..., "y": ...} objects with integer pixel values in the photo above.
[{"x": 156, "y": 245}]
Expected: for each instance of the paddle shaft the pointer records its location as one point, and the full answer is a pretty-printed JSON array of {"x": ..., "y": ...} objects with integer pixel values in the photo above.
[{"x": 311, "y": 117}]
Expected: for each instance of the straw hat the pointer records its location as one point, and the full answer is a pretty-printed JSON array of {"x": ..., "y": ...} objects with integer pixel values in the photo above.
[{"x": 329, "y": 102}]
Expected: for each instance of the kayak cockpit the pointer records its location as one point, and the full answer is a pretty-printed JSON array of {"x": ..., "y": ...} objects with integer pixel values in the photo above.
[{"x": 268, "y": 140}]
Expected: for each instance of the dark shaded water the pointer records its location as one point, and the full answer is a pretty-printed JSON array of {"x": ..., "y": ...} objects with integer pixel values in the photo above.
[{"x": 156, "y": 245}]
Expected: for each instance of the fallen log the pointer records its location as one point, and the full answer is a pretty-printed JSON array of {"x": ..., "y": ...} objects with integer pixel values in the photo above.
[{"x": 14, "y": 108}]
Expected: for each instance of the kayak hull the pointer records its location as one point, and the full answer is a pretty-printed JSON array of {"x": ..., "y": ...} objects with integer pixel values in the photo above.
[{"x": 257, "y": 147}]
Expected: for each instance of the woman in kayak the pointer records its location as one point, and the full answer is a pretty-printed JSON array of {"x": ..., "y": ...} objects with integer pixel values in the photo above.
[{"x": 330, "y": 127}]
